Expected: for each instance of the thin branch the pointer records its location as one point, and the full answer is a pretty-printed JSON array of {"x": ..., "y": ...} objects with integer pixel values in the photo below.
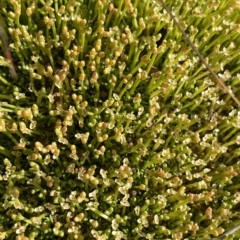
[
  {"x": 3, "y": 38},
  {"x": 231, "y": 231},
  {"x": 219, "y": 81}
]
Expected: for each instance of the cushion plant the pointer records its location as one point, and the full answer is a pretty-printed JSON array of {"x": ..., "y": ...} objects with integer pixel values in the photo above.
[{"x": 110, "y": 125}]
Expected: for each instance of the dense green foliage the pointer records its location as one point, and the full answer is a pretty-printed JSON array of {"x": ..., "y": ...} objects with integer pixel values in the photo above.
[{"x": 113, "y": 128}]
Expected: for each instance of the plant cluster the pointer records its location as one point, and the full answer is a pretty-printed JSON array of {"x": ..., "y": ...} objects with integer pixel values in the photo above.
[{"x": 113, "y": 128}]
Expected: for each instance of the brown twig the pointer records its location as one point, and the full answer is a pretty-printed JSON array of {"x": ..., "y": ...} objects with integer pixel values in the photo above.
[
  {"x": 229, "y": 232},
  {"x": 3, "y": 38},
  {"x": 219, "y": 80}
]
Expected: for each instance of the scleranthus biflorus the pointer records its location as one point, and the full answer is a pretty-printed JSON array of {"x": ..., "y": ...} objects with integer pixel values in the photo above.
[{"x": 113, "y": 128}]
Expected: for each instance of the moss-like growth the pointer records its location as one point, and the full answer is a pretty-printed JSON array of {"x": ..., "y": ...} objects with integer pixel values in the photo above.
[{"x": 113, "y": 128}]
